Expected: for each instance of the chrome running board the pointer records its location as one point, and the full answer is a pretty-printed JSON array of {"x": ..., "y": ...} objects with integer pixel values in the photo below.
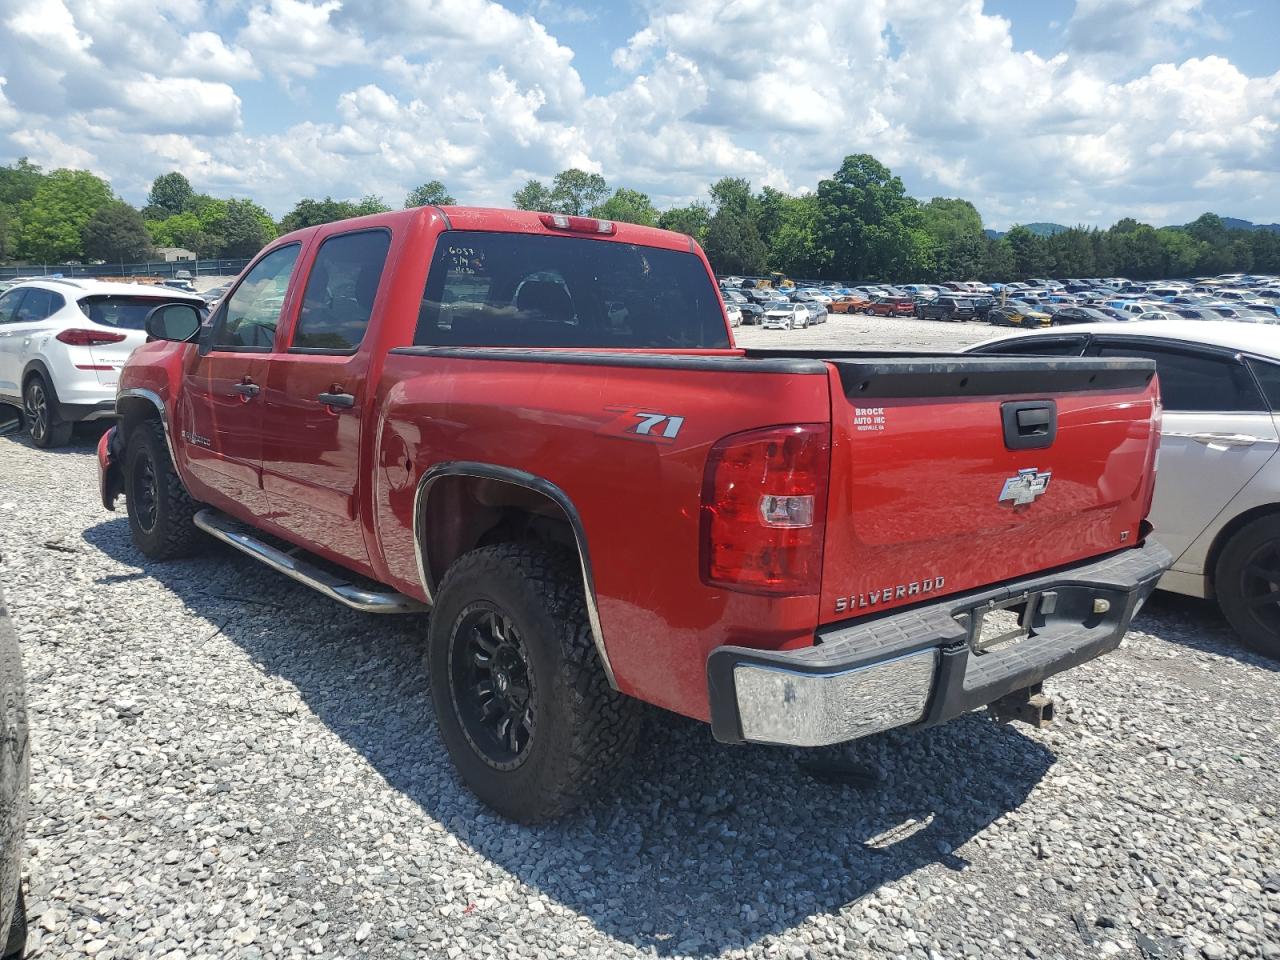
[{"x": 334, "y": 587}]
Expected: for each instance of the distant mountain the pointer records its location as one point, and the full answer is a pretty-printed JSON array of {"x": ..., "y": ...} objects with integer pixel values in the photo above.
[
  {"x": 1233, "y": 223},
  {"x": 1040, "y": 229}
]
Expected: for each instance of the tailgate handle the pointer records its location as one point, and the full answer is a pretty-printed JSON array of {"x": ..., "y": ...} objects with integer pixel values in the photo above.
[{"x": 1029, "y": 424}]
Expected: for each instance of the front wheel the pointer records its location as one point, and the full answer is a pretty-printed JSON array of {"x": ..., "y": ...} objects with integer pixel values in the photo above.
[
  {"x": 1247, "y": 581},
  {"x": 39, "y": 406},
  {"x": 159, "y": 507},
  {"x": 523, "y": 704}
]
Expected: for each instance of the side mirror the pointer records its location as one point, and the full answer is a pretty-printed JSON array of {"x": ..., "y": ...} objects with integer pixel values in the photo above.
[{"x": 179, "y": 322}]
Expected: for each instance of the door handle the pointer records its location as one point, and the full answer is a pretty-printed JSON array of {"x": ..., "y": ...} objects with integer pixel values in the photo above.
[
  {"x": 247, "y": 390},
  {"x": 344, "y": 400},
  {"x": 1221, "y": 439}
]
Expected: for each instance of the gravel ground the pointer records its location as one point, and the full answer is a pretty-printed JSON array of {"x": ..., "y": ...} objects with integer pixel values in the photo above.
[
  {"x": 862, "y": 332},
  {"x": 226, "y": 764}
]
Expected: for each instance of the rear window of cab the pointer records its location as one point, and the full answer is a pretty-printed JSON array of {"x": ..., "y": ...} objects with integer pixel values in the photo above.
[{"x": 523, "y": 290}]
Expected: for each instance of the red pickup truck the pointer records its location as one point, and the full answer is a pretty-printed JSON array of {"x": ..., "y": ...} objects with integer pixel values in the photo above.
[{"x": 538, "y": 427}]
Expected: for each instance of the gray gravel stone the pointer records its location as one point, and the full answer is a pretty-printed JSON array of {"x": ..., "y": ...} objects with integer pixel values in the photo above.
[{"x": 226, "y": 764}]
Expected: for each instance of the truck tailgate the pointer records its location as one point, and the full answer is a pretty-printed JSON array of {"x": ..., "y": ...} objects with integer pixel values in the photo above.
[{"x": 951, "y": 474}]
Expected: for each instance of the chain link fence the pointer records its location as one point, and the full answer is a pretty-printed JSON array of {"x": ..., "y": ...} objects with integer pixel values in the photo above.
[{"x": 158, "y": 268}]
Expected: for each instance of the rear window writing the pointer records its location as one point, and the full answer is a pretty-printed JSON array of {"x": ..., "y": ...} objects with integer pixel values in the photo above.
[{"x": 522, "y": 290}]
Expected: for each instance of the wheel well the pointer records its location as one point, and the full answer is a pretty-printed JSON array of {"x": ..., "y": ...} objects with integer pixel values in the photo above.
[
  {"x": 1234, "y": 526},
  {"x": 133, "y": 411},
  {"x": 464, "y": 512},
  {"x": 33, "y": 368}
]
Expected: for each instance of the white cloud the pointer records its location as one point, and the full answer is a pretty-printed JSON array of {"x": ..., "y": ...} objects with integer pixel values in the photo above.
[
  {"x": 205, "y": 55},
  {"x": 385, "y": 94}
]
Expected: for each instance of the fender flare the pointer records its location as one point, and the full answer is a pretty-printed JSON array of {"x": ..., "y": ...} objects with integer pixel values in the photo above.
[
  {"x": 521, "y": 478},
  {"x": 150, "y": 396}
]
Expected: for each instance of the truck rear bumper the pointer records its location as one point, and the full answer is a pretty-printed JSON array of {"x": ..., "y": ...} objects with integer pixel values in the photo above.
[{"x": 924, "y": 666}]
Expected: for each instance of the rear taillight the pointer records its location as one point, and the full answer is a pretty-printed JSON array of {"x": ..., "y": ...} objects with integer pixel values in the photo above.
[
  {"x": 88, "y": 338},
  {"x": 1153, "y": 457},
  {"x": 764, "y": 500}
]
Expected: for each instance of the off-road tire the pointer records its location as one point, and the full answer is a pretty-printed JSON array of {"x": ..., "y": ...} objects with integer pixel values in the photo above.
[
  {"x": 1258, "y": 626},
  {"x": 170, "y": 533},
  {"x": 16, "y": 942},
  {"x": 40, "y": 411},
  {"x": 583, "y": 729}
]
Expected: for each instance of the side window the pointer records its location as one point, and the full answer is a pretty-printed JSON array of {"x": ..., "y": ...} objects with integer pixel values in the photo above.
[
  {"x": 340, "y": 291},
  {"x": 9, "y": 304},
  {"x": 1193, "y": 381},
  {"x": 38, "y": 304},
  {"x": 249, "y": 316},
  {"x": 1039, "y": 347},
  {"x": 1268, "y": 375}
]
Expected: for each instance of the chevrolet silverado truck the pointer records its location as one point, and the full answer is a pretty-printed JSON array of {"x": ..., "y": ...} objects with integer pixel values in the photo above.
[{"x": 538, "y": 427}]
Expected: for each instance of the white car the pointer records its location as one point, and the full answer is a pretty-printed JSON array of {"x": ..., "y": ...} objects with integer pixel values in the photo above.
[
  {"x": 62, "y": 344},
  {"x": 734, "y": 313},
  {"x": 1217, "y": 500},
  {"x": 787, "y": 316}
]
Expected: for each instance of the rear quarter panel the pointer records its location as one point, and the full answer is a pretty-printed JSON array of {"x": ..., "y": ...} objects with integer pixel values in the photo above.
[{"x": 639, "y": 499}]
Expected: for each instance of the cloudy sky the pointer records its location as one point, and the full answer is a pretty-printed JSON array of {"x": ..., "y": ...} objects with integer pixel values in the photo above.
[{"x": 1077, "y": 111}]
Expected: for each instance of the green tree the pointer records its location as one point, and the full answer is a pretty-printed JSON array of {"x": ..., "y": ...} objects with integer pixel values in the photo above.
[
  {"x": 19, "y": 181},
  {"x": 308, "y": 213},
  {"x": 691, "y": 220},
  {"x": 370, "y": 204},
  {"x": 430, "y": 194},
  {"x": 870, "y": 225},
  {"x": 733, "y": 192},
  {"x": 576, "y": 192},
  {"x": 796, "y": 250},
  {"x": 54, "y": 219},
  {"x": 1134, "y": 250},
  {"x": 948, "y": 220},
  {"x": 769, "y": 210},
  {"x": 998, "y": 262},
  {"x": 116, "y": 233},
  {"x": 733, "y": 244},
  {"x": 246, "y": 229},
  {"x": 627, "y": 206},
  {"x": 170, "y": 194},
  {"x": 1030, "y": 254},
  {"x": 1179, "y": 251},
  {"x": 532, "y": 196}
]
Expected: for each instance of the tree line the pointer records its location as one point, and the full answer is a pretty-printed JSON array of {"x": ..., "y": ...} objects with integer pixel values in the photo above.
[
  {"x": 69, "y": 216},
  {"x": 859, "y": 225}
]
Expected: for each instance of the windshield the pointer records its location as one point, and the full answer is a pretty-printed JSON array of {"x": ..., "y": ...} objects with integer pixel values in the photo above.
[
  {"x": 522, "y": 290},
  {"x": 124, "y": 312}
]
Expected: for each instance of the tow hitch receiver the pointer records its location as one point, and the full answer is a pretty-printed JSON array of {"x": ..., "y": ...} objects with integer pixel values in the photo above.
[{"x": 1030, "y": 705}]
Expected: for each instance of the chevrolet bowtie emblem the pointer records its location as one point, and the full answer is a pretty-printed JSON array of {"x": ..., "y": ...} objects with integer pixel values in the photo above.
[{"x": 1026, "y": 486}]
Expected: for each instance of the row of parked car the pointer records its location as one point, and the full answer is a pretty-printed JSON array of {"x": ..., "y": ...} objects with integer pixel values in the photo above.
[{"x": 1033, "y": 303}]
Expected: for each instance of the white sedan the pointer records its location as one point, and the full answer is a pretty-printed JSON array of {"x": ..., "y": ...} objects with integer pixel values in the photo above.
[{"x": 1217, "y": 501}]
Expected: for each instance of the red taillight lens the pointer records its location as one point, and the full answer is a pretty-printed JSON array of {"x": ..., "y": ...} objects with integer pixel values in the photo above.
[
  {"x": 764, "y": 503},
  {"x": 562, "y": 221},
  {"x": 88, "y": 338}
]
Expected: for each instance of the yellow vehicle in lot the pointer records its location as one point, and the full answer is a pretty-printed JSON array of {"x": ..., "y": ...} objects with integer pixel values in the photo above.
[{"x": 1014, "y": 314}]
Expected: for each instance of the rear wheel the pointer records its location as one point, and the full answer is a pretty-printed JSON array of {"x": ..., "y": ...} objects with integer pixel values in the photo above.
[
  {"x": 1247, "y": 581},
  {"x": 40, "y": 406},
  {"x": 159, "y": 507},
  {"x": 523, "y": 704}
]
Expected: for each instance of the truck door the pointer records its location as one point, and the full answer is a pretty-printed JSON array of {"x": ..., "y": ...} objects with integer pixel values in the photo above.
[
  {"x": 221, "y": 414},
  {"x": 317, "y": 394}
]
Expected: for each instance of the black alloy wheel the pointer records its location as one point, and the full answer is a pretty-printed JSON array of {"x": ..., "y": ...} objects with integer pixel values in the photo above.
[
  {"x": 145, "y": 493},
  {"x": 494, "y": 691},
  {"x": 36, "y": 407}
]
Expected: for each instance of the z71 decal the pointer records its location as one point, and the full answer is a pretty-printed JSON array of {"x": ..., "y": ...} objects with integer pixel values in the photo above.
[{"x": 643, "y": 423}]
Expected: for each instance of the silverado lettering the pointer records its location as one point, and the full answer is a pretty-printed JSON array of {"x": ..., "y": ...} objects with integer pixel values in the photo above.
[{"x": 408, "y": 412}]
